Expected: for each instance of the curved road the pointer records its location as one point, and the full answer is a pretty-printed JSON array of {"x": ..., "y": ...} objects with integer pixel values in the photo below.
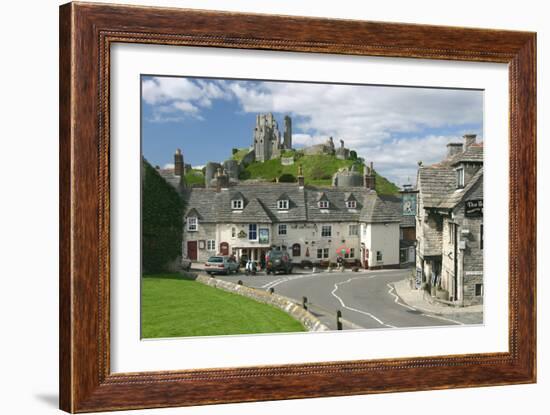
[{"x": 366, "y": 299}]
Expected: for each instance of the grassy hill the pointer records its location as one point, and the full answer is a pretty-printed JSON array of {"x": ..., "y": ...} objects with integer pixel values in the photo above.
[{"x": 318, "y": 170}]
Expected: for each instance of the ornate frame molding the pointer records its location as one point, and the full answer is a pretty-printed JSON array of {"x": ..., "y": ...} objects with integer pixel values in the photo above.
[{"x": 86, "y": 33}]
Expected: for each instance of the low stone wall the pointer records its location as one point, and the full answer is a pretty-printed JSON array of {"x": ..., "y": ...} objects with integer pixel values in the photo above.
[{"x": 310, "y": 322}]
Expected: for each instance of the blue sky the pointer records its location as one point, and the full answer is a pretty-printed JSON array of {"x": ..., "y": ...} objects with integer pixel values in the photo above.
[{"x": 395, "y": 127}]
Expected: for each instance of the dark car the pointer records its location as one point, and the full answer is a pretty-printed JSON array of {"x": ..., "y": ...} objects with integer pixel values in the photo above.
[
  {"x": 221, "y": 265},
  {"x": 278, "y": 261}
]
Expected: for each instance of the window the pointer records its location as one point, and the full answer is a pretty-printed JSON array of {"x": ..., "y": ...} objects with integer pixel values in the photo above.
[
  {"x": 460, "y": 177},
  {"x": 479, "y": 290},
  {"x": 252, "y": 232},
  {"x": 353, "y": 230},
  {"x": 323, "y": 204},
  {"x": 378, "y": 256},
  {"x": 282, "y": 204},
  {"x": 452, "y": 232},
  {"x": 211, "y": 245},
  {"x": 322, "y": 253},
  {"x": 237, "y": 204},
  {"x": 326, "y": 231},
  {"x": 481, "y": 236},
  {"x": 192, "y": 224},
  {"x": 350, "y": 253},
  {"x": 233, "y": 232},
  {"x": 351, "y": 204},
  {"x": 282, "y": 229},
  {"x": 296, "y": 250}
]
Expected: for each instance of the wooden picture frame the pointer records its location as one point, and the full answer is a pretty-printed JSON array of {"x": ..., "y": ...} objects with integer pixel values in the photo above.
[{"x": 86, "y": 33}]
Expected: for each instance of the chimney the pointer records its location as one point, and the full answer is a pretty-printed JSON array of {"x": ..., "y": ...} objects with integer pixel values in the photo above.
[
  {"x": 341, "y": 143},
  {"x": 179, "y": 167},
  {"x": 469, "y": 139},
  {"x": 300, "y": 176},
  {"x": 222, "y": 180},
  {"x": 453, "y": 149},
  {"x": 370, "y": 178}
]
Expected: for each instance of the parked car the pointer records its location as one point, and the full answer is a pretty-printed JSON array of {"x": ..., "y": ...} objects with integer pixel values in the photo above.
[
  {"x": 278, "y": 261},
  {"x": 221, "y": 265},
  {"x": 186, "y": 264}
]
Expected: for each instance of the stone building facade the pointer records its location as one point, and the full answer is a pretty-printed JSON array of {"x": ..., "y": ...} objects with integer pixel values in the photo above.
[{"x": 449, "y": 225}]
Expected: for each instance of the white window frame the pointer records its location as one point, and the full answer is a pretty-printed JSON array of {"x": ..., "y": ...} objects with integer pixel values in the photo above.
[
  {"x": 237, "y": 204},
  {"x": 192, "y": 224},
  {"x": 460, "y": 177},
  {"x": 353, "y": 226},
  {"x": 351, "y": 204},
  {"x": 322, "y": 253},
  {"x": 329, "y": 233},
  {"x": 282, "y": 204},
  {"x": 281, "y": 227},
  {"x": 250, "y": 225},
  {"x": 211, "y": 245},
  {"x": 324, "y": 204}
]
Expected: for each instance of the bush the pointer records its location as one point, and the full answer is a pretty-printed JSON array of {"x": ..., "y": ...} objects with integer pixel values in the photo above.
[
  {"x": 161, "y": 221},
  {"x": 287, "y": 178}
]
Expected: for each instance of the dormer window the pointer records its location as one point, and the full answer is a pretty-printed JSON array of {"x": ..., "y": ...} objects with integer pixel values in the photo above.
[
  {"x": 192, "y": 224},
  {"x": 237, "y": 204},
  {"x": 282, "y": 204},
  {"x": 460, "y": 178},
  {"x": 323, "y": 204},
  {"x": 351, "y": 204}
]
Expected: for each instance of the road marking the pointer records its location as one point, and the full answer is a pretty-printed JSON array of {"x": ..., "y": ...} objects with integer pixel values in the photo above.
[
  {"x": 396, "y": 301},
  {"x": 333, "y": 292},
  {"x": 278, "y": 281}
]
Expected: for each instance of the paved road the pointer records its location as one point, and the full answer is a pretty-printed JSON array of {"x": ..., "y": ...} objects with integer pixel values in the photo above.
[{"x": 366, "y": 299}]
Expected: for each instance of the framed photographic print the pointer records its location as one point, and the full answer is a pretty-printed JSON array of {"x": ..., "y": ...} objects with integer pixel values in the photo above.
[{"x": 261, "y": 207}]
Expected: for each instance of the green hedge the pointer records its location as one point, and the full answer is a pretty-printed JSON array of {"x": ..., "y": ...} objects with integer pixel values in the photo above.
[{"x": 161, "y": 221}]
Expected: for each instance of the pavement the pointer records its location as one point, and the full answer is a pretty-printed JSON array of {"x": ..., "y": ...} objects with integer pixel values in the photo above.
[
  {"x": 420, "y": 300},
  {"x": 367, "y": 299}
]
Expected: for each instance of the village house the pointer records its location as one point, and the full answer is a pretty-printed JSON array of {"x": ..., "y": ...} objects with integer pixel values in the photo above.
[
  {"x": 449, "y": 225},
  {"x": 314, "y": 224}
]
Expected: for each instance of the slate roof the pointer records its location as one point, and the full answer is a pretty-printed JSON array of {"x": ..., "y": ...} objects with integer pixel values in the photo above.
[
  {"x": 437, "y": 183},
  {"x": 408, "y": 221},
  {"x": 472, "y": 154},
  {"x": 260, "y": 204},
  {"x": 169, "y": 176},
  {"x": 458, "y": 196}
]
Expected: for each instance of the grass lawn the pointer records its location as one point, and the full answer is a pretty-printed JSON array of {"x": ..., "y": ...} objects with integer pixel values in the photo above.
[{"x": 174, "y": 307}]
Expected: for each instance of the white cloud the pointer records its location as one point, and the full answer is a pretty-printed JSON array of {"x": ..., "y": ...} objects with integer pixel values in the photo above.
[
  {"x": 370, "y": 119},
  {"x": 180, "y": 97}
]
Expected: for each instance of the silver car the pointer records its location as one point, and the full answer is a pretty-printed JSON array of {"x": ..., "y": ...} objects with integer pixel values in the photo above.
[{"x": 221, "y": 265}]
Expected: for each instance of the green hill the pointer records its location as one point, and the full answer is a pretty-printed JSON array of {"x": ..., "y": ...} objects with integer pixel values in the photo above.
[{"x": 318, "y": 170}]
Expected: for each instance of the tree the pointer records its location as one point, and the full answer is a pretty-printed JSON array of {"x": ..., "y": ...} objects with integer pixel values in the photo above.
[
  {"x": 353, "y": 155},
  {"x": 161, "y": 221},
  {"x": 287, "y": 178}
]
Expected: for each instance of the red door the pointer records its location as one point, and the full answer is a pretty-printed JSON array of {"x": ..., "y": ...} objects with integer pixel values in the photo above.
[
  {"x": 224, "y": 248},
  {"x": 192, "y": 250}
]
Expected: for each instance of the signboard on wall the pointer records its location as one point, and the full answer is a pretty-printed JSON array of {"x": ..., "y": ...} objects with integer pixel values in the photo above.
[
  {"x": 408, "y": 204},
  {"x": 263, "y": 236},
  {"x": 473, "y": 208}
]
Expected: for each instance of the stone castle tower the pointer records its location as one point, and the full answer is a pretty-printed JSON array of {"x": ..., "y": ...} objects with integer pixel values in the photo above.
[
  {"x": 287, "y": 140},
  {"x": 267, "y": 137}
]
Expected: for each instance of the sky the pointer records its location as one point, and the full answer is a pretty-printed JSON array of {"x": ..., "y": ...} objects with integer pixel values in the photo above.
[{"x": 394, "y": 127}]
